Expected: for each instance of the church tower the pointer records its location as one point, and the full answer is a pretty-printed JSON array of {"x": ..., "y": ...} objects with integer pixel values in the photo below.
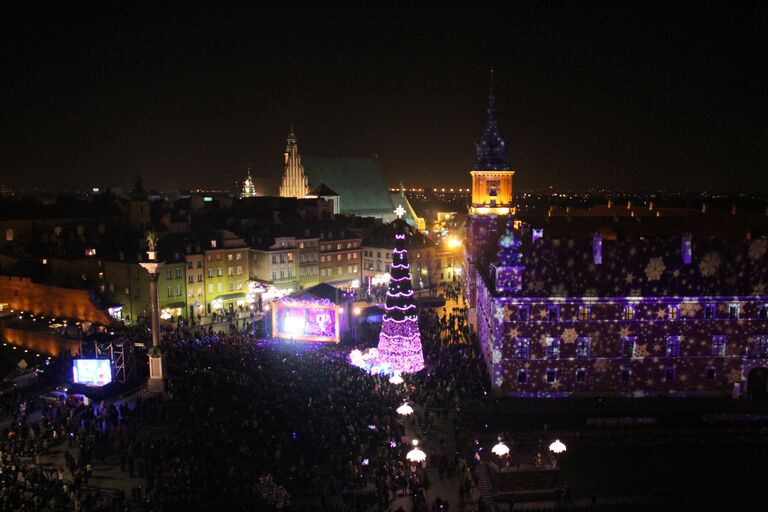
[
  {"x": 138, "y": 206},
  {"x": 491, "y": 198},
  {"x": 492, "y": 175},
  {"x": 294, "y": 182}
]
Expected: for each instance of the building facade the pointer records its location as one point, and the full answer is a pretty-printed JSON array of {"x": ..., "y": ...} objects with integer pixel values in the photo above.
[
  {"x": 340, "y": 261},
  {"x": 677, "y": 317}
]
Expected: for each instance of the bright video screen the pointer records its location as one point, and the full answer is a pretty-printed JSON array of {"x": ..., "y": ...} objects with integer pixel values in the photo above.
[
  {"x": 92, "y": 372},
  {"x": 305, "y": 323}
]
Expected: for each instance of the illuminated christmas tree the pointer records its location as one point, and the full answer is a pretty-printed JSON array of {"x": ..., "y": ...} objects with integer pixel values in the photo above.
[{"x": 399, "y": 340}]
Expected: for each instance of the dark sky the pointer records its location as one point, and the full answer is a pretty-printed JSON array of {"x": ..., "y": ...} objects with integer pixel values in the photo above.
[{"x": 621, "y": 94}]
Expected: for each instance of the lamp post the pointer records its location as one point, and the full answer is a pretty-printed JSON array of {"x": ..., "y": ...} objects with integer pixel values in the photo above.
[
  {"x": 156, "y": 383},
  {"x": 557, "y": 447}
]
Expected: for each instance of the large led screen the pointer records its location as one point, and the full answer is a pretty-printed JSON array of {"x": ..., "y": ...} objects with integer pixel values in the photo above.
[
  {"x": 305, "y": 321},
  {"x": 92, "y": 372}
]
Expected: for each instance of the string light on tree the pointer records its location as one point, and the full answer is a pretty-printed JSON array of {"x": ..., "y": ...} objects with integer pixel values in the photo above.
[{"x": 399, "y": 341}]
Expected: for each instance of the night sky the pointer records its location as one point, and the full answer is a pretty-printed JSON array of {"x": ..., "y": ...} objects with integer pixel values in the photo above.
[{"x": 620, "y": 95}]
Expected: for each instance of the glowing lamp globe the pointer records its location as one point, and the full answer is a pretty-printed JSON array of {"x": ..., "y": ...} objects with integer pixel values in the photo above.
[
  {"x": 405, "y": 410},
  {"x": 396, "y": 379},
  {"x": 500, "y": 449},
  {"x": 416, "y": 455},
  {"x": 557, "y": 446}
]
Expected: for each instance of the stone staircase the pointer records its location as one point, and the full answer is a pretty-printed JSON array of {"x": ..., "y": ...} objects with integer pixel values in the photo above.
[{"x": 484, "y": 486}]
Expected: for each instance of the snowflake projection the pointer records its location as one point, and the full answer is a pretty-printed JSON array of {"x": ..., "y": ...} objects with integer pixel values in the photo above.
[
  {"x": 709, "y": 264},
  {"x": 508, "y": 314},
  {"x": 624, "y": 331},
  {"x": 569, "y": 335},
  {"x": 498, "y": 313},
  {"x": 591, "y": 292},
  {"x": 559, "y": 291},
  {"x": 629, "y": 278},
  {"x": 513, "y": 333},
  {"x": 655, "y": 269},
  {"x": 499, "y": 381},
  {"x": 661, "y": 314},
  {"x": 734, "y": 375},
  {"x": 641, "y": 352},
  {"x": 689, "y": 309},
  {"x": 496, "y": 356},
  {"x": 760, "y": 288},
  {"x": 757, "y": 249}
]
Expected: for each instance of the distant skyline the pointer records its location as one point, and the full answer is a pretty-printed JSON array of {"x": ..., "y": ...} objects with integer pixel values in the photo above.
[{"x": 630, "y": 95}]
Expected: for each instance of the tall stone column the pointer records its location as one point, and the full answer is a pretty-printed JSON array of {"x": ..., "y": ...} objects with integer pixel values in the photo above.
[{"x": 156, "y": 383}]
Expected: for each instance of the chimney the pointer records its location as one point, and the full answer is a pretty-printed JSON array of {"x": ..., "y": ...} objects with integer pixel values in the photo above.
[
  {"x": 686, "y": 250},
  {"x": 597, "y": 249}
]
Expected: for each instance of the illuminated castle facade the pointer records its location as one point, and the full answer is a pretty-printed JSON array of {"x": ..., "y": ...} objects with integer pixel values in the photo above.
[
  {"x": 294, "y": 182},
  {"x": 639, "y": 315}
]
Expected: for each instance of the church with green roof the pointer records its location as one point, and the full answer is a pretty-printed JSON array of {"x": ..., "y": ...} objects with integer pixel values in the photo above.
[{"x": 357, "y": 181}]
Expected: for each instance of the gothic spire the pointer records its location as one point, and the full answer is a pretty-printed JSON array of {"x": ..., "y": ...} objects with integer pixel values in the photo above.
[{"x": 492, "y": 146}]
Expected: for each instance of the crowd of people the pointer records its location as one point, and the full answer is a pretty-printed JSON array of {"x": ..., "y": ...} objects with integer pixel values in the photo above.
[{"x": 247, "y": 424}]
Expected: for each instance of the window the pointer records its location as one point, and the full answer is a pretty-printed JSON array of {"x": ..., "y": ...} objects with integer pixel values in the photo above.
[
  {"x": 338, "y": 257},
  {"x": 301, "y": 245},
  {"x": 274, "y": 258},
  {"x": 629, "y": 312},
  {"x": 282, "y": 274},
  {"x": 553, "y": 348},
  {"x": 583, "y": 313},
  {"x": 239, "y": 270},
  {"x": 338, "y": 247},
  {"x": 709, "y": 312},
  {"x": 9, "y": 235},
  {"x": 190, "y": 279},
  {"x": 210, "y": 288},
  {"x": 219, "y": 272},
  {"x": 178, "y": 290},
  {"x": 274, "y": 275},
  {"x": 239, "y": 256},
  {"x": 169, "y": 274},
  {"x": 522, "y": 348},
  {"x": 199, "y": 278},
  {"x": 522, "y": 376},
  {"x": 231, "y": 286},
  {"x": 199, "y": 263},
  {"x": 378, "y": 254},
  {"x": 673, "y": 346},
  {"x": 170, "y": 292},
  {"x": 338, "y": 271},
  {"x": 762, "y": 313},
  {"x": 674, "y": 312},
  {"x": 583, "y": 346},
  {"x": 218, "y": 286},
  {"x": 669, "y": 374},
  {"x": 231, "y": 271},
  {"x": 553, "y": 312},
  {"x": 711, "y": 373},
  {"x": 551, "y": 376},
  {"x": 625, "y": 375},
  {"x": 229, "y": 257},
  {"x": 628, "y": 346},
  {"x": 210, "y": 272},
  {"x": 523, "y": 313},
  {"x": 189, "y": 264},
  {"x": 581, "y": 376},
  {"x": 290, "y": 257},
  {"x": 718, "y": 345},
  {"x": 213, "y": 244},
  {"x": 733, "y": 311},
  {"x": 760, "y": 346}
]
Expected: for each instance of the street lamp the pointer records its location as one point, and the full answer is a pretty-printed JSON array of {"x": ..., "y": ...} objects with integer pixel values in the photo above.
[
  {"x": 557, "y": 446},
  {"x": 405, "y": 410},
  {"x": 500, "y": 449},
  {"x": 396, "y": 378},
  {"x": 416, "y": 455}
]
